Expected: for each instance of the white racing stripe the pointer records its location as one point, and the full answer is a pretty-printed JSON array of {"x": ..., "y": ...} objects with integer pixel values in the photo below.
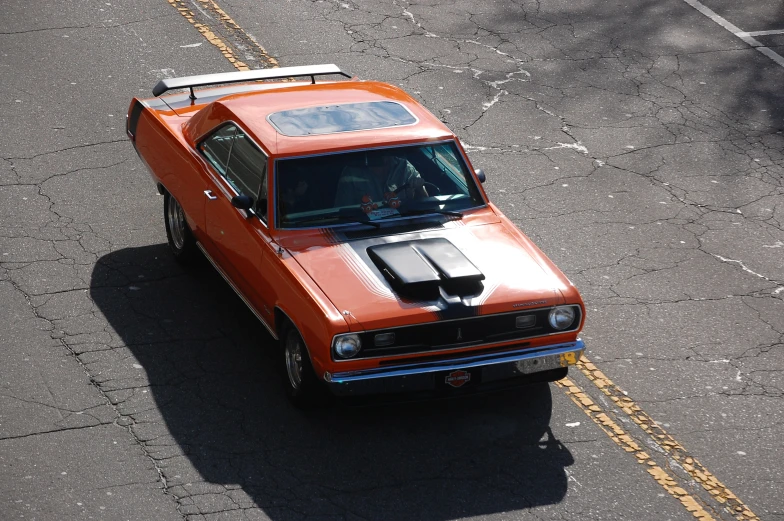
[{"x": 745, "y": 36}]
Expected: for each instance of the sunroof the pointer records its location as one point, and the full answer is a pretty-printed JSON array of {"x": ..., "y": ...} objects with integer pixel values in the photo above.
[{"x": 330, "y": 119}]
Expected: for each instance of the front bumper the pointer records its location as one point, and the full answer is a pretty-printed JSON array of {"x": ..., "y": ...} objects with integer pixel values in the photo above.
[{"x": 487, "y": 370}]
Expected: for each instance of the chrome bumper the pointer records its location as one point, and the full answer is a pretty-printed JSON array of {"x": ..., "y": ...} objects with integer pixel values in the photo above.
[{"x": 491, "y": 368}]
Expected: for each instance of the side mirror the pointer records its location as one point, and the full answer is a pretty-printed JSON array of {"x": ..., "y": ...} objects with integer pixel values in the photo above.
[
  {"x": 242, "y": 201},
  {"x": 481, "y": 175}
]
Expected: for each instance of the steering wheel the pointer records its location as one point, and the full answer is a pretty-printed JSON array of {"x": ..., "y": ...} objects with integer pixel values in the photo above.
[{"x": 432, "y": 188}]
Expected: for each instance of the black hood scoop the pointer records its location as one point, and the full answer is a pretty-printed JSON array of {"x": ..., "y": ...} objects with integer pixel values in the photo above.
[{"x": 424, "y": 268}]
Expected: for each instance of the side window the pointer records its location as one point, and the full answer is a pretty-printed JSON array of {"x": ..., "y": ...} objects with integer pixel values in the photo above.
[
  {"x": 243, "y": 165},
  {"x": 247, "y": 172},
  {"x": 217, "y": 147},
  {"x": 444, "y": 157}
]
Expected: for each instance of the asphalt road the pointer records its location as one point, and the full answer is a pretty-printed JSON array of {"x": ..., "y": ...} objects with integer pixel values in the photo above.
[{"x": 639, "y": 144}]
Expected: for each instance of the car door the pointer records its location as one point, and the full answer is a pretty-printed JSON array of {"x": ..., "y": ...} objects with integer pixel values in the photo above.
[{"x": 239, "y": 238}]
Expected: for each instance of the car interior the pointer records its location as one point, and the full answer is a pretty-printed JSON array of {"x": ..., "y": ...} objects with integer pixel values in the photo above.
[{"x": 318, "y": 177}]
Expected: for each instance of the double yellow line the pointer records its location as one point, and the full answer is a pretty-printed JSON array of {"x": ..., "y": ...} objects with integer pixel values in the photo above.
[
  {"x": 229, "y": 26},
  {"x": 676, "y": 453}
]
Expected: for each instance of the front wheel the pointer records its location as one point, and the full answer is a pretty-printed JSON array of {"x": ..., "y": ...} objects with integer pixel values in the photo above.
[
  {"x": 299, "y": 380},
  {"x": 181, "y": 241}
]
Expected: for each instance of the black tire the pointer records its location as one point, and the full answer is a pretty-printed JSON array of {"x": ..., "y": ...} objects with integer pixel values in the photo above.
[
  {"x": 300, "y": 384},
  {"x": 181, "y": 241}
]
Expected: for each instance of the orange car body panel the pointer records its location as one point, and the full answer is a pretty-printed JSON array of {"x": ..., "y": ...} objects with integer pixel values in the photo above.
[{"x": 307, "y": 275}]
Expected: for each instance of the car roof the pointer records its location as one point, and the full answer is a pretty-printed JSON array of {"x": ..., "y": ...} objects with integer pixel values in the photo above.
[{"x": 252, "y": 109}]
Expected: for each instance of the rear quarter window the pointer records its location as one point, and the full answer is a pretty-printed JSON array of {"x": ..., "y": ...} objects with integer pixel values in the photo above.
[{"x": 217, "y": 147}]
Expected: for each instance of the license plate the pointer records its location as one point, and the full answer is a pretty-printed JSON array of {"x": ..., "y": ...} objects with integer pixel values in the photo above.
[{"x": 546, "y": 363}]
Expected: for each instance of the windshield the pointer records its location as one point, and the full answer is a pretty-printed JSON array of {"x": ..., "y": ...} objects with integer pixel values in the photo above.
[{"x": 373, "y": 185}]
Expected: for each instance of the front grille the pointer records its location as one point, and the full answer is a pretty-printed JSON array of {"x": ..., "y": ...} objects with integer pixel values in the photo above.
[
  {"x": 447, "y": 356},
  {"x": 454, "y": 334}
]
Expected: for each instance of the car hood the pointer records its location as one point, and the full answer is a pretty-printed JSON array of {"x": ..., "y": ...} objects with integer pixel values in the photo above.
[{"x": 381, "y": 281}]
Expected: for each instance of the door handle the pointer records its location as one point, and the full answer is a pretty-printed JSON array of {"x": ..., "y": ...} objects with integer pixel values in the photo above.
[{"x": 210, "y": 195}]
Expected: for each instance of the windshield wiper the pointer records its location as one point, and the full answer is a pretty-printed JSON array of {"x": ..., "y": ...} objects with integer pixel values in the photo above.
[
  {"x": 339, "y": 220},
  {"x": 423, "y": 211}
]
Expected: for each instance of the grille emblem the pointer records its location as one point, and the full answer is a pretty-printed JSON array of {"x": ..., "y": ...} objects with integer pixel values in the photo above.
[{"x": 459, "y": 333}]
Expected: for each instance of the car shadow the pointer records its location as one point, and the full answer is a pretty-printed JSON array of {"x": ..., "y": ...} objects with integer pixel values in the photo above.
[{"x": 225, "y": 436}]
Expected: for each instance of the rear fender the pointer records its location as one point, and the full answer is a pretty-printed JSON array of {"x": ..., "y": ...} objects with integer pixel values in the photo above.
[{"x": 132, "y": 119}]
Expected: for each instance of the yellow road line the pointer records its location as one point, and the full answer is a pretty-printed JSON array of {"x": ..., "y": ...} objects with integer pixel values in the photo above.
[
  {"x": 667, "y": 443},
  {"x": 625, "y": 441},
  {"x": 718, "y": 491},
  {"x": 230, "y": 25}
]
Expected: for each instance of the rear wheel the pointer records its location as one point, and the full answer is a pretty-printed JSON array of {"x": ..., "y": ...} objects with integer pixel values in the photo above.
[
  {"x": 299, "y": 380},
  {"x": 181, "y": 241}
]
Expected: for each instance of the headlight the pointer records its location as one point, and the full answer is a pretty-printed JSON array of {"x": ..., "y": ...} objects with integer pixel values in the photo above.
[
  {"x": 347, "y": 346},
  {"x": 561, "y": 317}
]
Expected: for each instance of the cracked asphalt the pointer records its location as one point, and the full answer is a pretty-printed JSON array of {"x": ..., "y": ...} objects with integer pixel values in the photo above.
[{"x": 639, "y": 144}]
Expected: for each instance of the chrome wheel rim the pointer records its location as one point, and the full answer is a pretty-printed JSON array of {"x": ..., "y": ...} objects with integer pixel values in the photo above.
[
  {"x": 294, "y": 359},
  {"x": 176, "y": 223}
]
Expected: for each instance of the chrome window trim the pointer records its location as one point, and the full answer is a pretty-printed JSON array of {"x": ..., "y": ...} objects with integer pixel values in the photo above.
[
  {"x": 226, "y": 187},
  {"x": 466, "y": 345},
  {"x": 211, "y": 138}
]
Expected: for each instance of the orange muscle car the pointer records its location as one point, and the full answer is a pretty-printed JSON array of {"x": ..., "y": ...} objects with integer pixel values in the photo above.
[{"x": 350, "y": 221}]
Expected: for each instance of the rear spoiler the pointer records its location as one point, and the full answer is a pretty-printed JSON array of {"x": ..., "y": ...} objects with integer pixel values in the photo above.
[{"x": 189, "y": 82}]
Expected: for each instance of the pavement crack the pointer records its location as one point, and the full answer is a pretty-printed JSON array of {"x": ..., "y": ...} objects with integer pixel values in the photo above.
[
  {"x": 53, "y": 431},
  {"x": 44, "y": 29},
  {"x": 74, "y": 147}
]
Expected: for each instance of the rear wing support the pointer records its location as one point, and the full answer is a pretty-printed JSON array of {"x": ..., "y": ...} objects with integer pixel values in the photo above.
[{"x": 189, "y": 82}]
